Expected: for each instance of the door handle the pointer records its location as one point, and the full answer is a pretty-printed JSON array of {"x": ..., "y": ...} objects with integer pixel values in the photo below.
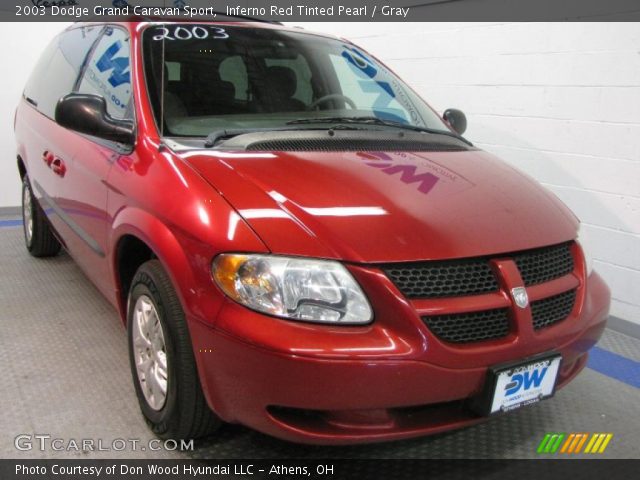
[
  {"x": 58, "y": 167},
  {"x": 48, "y": 157},
  {"x": 54, "y": 163}
]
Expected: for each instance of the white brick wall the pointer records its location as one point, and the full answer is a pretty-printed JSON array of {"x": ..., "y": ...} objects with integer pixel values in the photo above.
[
  {"x": 22, "y": 45},
  {"x": 560, "y": 101}
]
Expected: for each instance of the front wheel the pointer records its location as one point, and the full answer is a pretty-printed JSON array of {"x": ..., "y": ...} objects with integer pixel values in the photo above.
[
  {"x": 38, "y": 237},
  {"x": 161, "y": 357}
]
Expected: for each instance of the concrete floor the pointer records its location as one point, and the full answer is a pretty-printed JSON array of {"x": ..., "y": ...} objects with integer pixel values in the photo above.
[{"x": 65, "y": 373}]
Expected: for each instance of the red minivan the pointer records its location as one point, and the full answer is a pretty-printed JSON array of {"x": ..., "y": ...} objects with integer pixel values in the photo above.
[{"x": 294, "y": 239}]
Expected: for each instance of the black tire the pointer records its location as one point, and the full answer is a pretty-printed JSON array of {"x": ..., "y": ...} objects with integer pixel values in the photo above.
[
  {"x": 41, "y": 242},
  {"x": 185, "y": 413}
]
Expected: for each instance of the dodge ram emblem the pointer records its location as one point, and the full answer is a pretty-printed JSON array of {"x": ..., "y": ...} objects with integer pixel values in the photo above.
[{"x": 519, "y": 295}]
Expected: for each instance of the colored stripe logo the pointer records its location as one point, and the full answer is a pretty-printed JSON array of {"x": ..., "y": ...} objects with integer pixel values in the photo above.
[{"x": 573, "y": 443}]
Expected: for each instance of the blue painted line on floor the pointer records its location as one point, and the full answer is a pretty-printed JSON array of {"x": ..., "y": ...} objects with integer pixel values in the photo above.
[
  {"x": 614, "y": 366},
  {"x": 10, "y": 223}
]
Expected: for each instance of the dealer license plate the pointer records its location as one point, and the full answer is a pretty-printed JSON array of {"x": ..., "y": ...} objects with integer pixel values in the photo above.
[{"x": 522, "y": 384}]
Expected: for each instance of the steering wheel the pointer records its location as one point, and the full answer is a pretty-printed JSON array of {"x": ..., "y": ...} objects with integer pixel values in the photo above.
[{"x": 332, "y": 96}]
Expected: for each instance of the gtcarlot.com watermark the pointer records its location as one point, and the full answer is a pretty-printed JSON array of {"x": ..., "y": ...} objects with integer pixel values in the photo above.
[{"x": 26, "y": 442}]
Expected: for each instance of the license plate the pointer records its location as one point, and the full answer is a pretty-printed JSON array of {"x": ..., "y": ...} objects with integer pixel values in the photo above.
[{"x": 516, "y": 385}]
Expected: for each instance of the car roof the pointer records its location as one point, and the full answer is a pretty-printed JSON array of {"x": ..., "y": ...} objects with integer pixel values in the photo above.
[{"x": 134, "y": 23}]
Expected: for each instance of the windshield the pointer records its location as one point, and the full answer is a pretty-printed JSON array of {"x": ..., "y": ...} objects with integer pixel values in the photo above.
[{"x": 203, "y": 78}]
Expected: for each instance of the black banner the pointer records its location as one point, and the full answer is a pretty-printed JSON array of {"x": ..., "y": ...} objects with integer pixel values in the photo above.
[
  {"x": 323, "y": 10},
  {"x": 318, "y": 469}
]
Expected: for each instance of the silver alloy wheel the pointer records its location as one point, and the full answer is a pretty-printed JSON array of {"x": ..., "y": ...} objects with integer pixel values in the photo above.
[
  {"x": 150, "y": 353},
  {"x": 27, "y": 214}
]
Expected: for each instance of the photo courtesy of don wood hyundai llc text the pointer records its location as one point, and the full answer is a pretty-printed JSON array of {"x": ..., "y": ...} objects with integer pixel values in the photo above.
[{"x": 239, "y": 232}]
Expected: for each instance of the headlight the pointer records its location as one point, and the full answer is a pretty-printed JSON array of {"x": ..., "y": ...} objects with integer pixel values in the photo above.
[
  {"x": 301, "y": 289},
  {"x": 585, "y": 249}
]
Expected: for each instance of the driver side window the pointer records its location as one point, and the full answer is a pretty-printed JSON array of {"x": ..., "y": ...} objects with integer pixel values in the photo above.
[{"x": 108, "y": 72}]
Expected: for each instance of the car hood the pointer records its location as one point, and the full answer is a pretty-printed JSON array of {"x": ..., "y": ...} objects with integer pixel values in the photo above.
[{"x": 386, "y": 206}]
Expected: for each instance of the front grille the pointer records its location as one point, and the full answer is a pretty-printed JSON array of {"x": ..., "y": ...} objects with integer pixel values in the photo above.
[
  {"x": 469, "y": 327},
  {"x": 473, "y": 276},
  {"x": 549, "y": 311},
  {"x": 544, "y": 264},
  {"x": 443, "y": 279}
]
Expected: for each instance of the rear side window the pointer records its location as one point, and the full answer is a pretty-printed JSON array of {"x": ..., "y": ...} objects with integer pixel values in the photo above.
[
  {"x": 108, "y": 72},
  {"x": 59, "y": 67}
]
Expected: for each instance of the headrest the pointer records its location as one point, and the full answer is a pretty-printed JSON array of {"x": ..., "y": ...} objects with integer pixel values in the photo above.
[
  {"x": 282, "y": 80},
  {"x": 208, "y": 80}
]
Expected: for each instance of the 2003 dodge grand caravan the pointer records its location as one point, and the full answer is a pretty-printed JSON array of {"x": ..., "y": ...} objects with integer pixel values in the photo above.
[{"x": 294, "y": 239}]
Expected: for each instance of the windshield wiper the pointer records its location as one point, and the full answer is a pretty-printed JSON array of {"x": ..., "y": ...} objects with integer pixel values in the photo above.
[
  {"x": 217, "y": 135},
  {"x": 371, "y": 120}
]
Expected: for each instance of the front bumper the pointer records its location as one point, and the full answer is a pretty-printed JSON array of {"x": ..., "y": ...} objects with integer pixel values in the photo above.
[{"x": 391, "y": 380}]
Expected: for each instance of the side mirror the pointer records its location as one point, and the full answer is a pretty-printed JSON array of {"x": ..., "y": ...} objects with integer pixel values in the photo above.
[
  {"x": 457, "y": 119},
  {"x": 87, "y": 114}
]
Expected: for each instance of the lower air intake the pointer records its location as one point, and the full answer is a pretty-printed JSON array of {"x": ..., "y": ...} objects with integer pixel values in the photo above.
[{"x": 469, "y": 327}]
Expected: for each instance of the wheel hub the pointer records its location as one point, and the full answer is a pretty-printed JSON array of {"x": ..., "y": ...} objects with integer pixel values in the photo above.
[
  {"x": 27, "y": 214},
  {"x": 150, "y": 353}
]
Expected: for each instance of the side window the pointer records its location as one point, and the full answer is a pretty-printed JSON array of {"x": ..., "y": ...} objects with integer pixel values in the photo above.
[
  {"x": 108, "y": 72},
  {"x": 299, "y": 65},
  {"x": 59, "y": 67},
  {"x": 233, "y": 69}
]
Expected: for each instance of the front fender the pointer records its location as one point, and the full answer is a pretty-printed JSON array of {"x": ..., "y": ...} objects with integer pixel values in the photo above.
[
  {"x": 164, "y": 244},
  {"x": 186, "y": 259}
]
